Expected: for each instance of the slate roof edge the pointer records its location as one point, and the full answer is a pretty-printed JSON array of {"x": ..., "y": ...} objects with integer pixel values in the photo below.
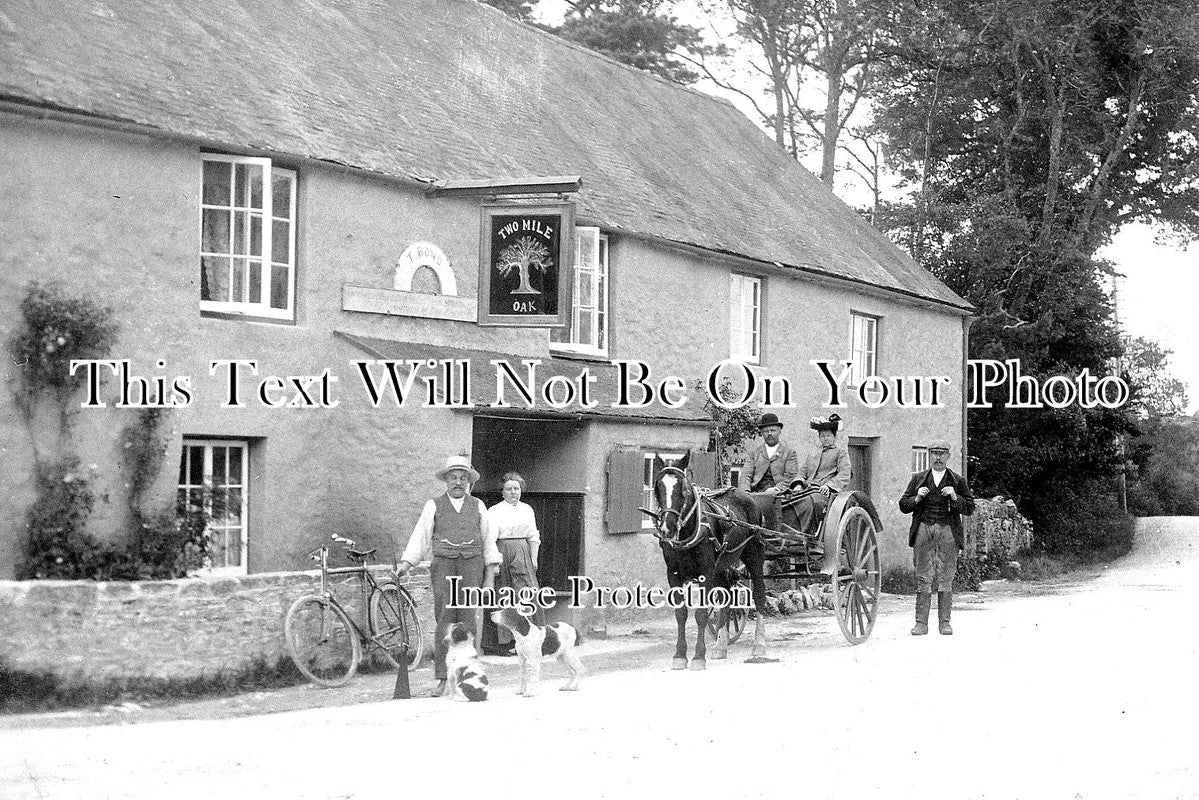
[
  {"x": 965, "y": 309},
  {"x": 42, "y": 109},
  {"x": 605, "y": 57}
]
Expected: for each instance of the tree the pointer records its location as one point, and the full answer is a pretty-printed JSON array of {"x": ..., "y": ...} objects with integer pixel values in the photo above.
[
  {"x": 796, "y": 41},
  {"x": 524, "y": 254},
  {"x": 1155, "y": 392},
  {"x": 521, "y": 9},
  {"x": 1166, "y": 458},
  {"x": 640, "y": 33},
  {"x": 1030, "y": 131}
]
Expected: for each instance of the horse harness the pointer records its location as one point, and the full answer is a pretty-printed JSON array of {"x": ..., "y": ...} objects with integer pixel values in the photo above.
[{"x": 704, "y": 508}]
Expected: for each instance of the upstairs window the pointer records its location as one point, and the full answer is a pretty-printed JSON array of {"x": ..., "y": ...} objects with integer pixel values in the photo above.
[
  {"x": 863, "y": 351},
  {"x": 247, "y": 237},
  {"x": 588, "y": 331},
  {"x": 745, "y": 318}
]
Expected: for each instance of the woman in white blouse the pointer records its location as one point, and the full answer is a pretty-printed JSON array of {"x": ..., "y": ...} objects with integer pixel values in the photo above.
[{"x": 514, "y": 526}]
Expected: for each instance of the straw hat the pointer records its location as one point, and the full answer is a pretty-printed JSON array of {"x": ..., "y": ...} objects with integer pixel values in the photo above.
[{"x": 457, "y": 462}]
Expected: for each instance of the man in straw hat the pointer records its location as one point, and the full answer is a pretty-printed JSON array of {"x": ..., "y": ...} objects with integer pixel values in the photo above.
[
  {"x": 770, "y": 466},
  {"x": 827, "y": 468},
  {"x": 453, "y": 527},
  {"x": 937, "y": 498}
]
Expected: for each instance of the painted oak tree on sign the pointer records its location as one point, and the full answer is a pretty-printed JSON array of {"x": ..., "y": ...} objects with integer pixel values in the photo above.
[{"x": 525, "y": 254}]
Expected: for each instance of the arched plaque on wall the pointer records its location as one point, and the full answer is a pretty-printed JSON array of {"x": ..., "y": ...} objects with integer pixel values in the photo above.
[
  {"x": 401, "y": 301},
  {"x": 425, "y": 254}
]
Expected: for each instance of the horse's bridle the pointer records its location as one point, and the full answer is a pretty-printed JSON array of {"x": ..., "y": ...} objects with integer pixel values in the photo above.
[{"x": 685, "y": 515}]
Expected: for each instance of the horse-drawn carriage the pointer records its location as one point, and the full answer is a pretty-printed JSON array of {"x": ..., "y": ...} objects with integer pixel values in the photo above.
[{"x": 704, "y": 533}]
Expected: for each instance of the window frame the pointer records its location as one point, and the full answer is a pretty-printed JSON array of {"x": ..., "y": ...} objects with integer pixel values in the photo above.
[
  {"x": 737, "y": 317},
  {"x": 260, "y": 308},
  {"x": 207, "y": 488},
  {"x": 860, "y": 372},
  {"x": 920, "y": 456},
  {"x": 600, "y": 282}
]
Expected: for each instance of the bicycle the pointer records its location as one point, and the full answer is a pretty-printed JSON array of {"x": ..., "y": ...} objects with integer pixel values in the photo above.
[{"x": 324, "y": 641}]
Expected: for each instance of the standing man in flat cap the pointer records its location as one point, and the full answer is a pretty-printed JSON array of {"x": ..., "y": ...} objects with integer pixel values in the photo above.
[
  {"x": 827, "y": 468},
  {"x": 770, "y": 466},
  {"x": 453, "y": 527},
  {"x": 937, "y": 499}
]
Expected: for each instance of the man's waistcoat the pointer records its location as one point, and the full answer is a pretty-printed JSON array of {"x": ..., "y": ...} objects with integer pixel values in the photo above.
[{"x": 456, "y": 533}]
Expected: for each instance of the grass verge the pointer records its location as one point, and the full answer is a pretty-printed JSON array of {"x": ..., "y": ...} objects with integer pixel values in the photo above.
[{"x": 25, "y": 691}]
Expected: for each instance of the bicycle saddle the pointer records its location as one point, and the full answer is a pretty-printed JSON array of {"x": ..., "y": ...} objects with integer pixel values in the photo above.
[{"x": 358, "y": 555}]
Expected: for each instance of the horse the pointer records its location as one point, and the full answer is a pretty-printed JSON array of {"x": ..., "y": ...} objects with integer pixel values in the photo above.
[{"x": 703, "y": 535}]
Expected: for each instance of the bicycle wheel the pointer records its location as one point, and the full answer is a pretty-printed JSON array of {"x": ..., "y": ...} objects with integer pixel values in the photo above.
[
  {"x": 322, "y": 641},
  {"x": 393, "y": 622}
]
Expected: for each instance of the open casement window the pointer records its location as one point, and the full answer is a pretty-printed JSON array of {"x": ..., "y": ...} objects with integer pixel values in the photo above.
[
  {"x": 214, "y": 480},
  {"x": 630, "y": 485},
  {"x": 863, "y": 349},
  {"x": 588, "y": 331},
  {"x": 247, "y": 237},
  {"x": 745, "y": 318}
]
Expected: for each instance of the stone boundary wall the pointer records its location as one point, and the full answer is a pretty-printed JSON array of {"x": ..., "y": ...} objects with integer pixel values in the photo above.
[
  {"x": 165, "y": 629},
  {"x": 996, "y": 527}
]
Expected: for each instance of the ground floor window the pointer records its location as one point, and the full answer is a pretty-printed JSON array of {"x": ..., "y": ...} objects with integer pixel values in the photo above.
[{"x": 214, "y": 477}]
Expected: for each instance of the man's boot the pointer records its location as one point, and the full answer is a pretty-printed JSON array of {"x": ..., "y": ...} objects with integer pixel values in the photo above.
[
  {"x": 944, "y": 604},
  {"x": 924, "y": 602}
]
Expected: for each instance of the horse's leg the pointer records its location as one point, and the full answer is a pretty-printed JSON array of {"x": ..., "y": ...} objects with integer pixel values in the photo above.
[
  {"x": 701, "y": 648},
  {"x": 721, "y": 648},
  {"x": 754, "y": 558},
  {"x": 680, "y": 618},
  {"x": 708, "y": 581}
]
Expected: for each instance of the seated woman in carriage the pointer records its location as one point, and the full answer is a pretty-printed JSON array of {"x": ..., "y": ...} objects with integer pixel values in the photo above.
[{"x": 826, "y": 469}]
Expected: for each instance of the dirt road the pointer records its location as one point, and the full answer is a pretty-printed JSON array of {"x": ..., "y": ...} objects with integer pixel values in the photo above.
[{"x": 1086, "y": 692}]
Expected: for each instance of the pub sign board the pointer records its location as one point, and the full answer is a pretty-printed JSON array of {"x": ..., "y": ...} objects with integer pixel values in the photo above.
[{"x": 525, "y": 264}]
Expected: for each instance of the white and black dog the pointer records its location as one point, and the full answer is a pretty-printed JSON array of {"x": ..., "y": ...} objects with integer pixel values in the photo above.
[
  {"x": 534, "y": 642},
  {"x": 467, "y": 681}
]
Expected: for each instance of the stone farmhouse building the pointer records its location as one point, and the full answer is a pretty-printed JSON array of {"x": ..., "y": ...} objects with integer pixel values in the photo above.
[{"x": 302, "y": 185}]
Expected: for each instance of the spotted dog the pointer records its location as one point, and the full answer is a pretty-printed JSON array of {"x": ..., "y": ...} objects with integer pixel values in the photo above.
[
  {"x": 534, "y": 642},
  {"x": 467, "y": 681}
]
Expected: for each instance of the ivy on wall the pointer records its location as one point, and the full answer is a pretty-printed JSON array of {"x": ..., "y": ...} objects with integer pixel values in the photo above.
[{"x": 55, "y": 328}]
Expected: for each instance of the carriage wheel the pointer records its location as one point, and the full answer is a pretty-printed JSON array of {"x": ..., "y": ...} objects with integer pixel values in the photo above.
[{"x": 858, "y": 579}]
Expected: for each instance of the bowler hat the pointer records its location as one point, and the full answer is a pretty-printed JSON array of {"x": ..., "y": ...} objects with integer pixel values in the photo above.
[
  {"x": 457, "y": 462},
  {"x": 768, "y": 419}
]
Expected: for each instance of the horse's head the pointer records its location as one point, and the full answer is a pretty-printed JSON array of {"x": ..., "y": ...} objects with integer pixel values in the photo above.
[{"x": 676, "y": 521}]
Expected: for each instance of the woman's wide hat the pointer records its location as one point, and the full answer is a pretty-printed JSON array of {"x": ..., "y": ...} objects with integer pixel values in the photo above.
[
  {"x": 830, "y": 423},
  {"x": 457, "y": 462}
]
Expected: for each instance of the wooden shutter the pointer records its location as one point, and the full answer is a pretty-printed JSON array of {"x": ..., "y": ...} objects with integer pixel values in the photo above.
[
  {"x": 626, "y": 470},
  {"x": 703, "y": 469}
]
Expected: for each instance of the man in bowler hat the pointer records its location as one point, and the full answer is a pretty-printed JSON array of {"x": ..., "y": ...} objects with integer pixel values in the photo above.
[
  {"x": 770, "y": 466},
  {"x": 453, "y": 527},
  {"x": 937, "y": 499}
]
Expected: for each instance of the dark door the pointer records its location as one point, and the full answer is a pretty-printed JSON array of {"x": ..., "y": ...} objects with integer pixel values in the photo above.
[
  {"x": 560, "y": 520},
  {"x": 860, "y": 460}
]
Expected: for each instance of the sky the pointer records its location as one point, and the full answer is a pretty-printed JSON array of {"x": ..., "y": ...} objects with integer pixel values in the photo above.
[{"x": 1158, "y": 284}]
